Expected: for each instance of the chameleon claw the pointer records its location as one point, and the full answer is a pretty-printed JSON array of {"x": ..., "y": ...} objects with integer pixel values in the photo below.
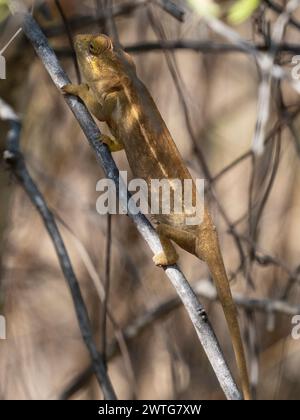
[{"x": 64, "y": 89}]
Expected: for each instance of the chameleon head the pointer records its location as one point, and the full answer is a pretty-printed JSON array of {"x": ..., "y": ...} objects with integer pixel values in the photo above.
[
  {"x": 93, "y": 44},
  {"x": 94, "y": 53}
]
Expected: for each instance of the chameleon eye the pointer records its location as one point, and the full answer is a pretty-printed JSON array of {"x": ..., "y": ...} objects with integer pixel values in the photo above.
[{"x": 92, "y": 48}]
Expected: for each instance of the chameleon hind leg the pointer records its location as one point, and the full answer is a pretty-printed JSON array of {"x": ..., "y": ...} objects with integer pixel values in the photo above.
[
  {"x": 185, "y": 240},
  {"x": 168, "y": 256}
]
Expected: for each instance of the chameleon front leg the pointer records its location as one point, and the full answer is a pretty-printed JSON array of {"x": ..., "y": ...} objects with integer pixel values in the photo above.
[
  {"x": 86, "y": 95},
  {"x": 113, "y": 144},
  {"x": 84, "y": 92}
]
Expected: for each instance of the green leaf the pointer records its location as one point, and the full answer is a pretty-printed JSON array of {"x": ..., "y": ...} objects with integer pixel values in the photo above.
[
  {"x": 4, "y": 10},
  {"x": 241, "y": 10},
  {"x": 205, "y": 7}
]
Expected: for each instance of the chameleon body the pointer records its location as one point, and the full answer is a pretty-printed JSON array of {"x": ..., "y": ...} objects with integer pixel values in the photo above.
[{"x": 114, "y": 94}]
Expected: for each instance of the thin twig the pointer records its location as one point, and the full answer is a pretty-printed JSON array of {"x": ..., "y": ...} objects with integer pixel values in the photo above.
[
  {"x": 172, "y": 8},
  {"x": 279, "y": 9},
  {"x": 263, "y": 60},
  {"x": 106, "y": 286},
  {"x": 204, "y": 47},
  {"x": 70, "y": 38},
  {"x": 267, "y": 65},
  {"x": 120, "y": 9}
]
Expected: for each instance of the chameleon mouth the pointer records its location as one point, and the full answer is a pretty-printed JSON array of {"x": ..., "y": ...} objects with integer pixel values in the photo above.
[{"x": 80, "y": 41}]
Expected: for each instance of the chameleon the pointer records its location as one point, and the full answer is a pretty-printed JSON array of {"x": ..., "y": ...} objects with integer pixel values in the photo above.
[{"x": 114, "y": 94}]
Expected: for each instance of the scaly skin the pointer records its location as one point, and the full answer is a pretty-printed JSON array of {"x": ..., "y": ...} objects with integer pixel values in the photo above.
[{"x": 114, "y": 94}]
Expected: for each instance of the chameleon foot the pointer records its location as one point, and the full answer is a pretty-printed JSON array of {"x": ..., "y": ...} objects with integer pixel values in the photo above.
[{"x": 162, "y": 260}]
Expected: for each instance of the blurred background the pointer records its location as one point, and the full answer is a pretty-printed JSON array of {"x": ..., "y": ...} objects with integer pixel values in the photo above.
[{"x": 207, "y": 90}]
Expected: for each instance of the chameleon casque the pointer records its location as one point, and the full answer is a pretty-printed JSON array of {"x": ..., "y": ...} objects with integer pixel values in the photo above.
[{"x": 114, "y": 94}]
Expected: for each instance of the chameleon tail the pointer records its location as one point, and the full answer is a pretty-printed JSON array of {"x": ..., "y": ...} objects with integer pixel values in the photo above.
[{"x": 212, "y": 256}]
